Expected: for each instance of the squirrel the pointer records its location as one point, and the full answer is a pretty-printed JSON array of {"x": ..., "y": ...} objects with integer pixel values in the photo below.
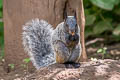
[{"x": 47, "y": 46}]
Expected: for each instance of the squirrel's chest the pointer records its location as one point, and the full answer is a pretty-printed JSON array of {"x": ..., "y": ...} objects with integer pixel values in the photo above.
[{"x": 72, "y": 41}]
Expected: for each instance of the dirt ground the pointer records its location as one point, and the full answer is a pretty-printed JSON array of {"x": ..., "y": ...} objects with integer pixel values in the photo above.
[
  {"x": 108, "y": 69},
  {"x": 93, "y": 70}
]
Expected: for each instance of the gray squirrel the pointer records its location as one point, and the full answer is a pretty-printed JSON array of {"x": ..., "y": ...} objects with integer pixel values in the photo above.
[{"x": 47, "y": 46}]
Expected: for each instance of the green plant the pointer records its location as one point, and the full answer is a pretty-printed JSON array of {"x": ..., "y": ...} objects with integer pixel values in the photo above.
[
  {"x": 26, "y": 61},
  {"x": 102, "y": 51},
  {"x": 1, "y": 41},
  {"x": 1, "y": 8},
  {"x": 1, "y": 32},
  {"x": 12, "y": 66},
  {"x": 102, "y": 19}
]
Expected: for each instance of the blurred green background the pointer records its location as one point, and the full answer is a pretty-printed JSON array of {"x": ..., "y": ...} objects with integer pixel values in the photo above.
[
  {"x": 1, "y": 31},
  {"x": 102, "y": 20}
]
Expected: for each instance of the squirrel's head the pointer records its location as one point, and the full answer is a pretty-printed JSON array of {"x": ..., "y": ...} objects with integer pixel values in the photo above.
[{"x": 70, "y": 24}]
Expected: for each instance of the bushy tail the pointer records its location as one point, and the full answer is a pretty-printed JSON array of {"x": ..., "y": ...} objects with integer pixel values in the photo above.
[{"x": 37, "y": 42}]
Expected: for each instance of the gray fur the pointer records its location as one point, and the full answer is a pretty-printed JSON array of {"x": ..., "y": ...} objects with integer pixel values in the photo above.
[
  {"x": 41, "y": 42},
  {"x": 59, "y": 43},
  {"x": 36, "y": 40}
]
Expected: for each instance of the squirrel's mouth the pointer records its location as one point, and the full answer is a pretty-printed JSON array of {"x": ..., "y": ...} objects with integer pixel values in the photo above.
[{"x": 72, "y": 33}]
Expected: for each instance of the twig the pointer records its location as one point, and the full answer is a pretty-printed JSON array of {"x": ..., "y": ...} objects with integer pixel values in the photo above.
[{"x": 94, "y": 41}]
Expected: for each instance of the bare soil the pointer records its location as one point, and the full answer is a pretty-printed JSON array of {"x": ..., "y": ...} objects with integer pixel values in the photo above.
[
  {"x": 93, "y": 70},
  {"x": 107, "y": 69}
]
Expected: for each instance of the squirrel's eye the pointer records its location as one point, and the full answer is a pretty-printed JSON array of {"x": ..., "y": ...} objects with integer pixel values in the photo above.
[{"x": 67, "y": 28}]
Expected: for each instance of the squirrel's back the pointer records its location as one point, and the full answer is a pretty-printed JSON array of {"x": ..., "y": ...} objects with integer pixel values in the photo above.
[{"x": 37, "y": 42}]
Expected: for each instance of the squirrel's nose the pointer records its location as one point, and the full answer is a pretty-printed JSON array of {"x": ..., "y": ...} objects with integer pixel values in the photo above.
[{"x": 72, "y": 33}]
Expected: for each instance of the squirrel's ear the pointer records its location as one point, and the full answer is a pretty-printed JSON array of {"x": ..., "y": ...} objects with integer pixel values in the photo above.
[
  {"x": 75, "y": 15},
  {"x": 65, "y": 15}
]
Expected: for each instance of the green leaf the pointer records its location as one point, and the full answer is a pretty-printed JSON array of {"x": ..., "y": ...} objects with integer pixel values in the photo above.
[
  {"x": 116, "y": 31},
  {"x": 105, "y": 4},
  {"x": 1, "y": 35},
  {"x": 88, "y": 32},
  {"x": 117, "y": 2},
  {"x": 99, "y": 50},
  {"x": 101, "y": 27},
  {"x": 87, "y": 12},
  {"x": 1, "y": 28},
  {"x": 1, "y": 3},
  {"x": 12, "y": 66},
  {"x": 27, "y": 60},
  {"x": 1, "y": 14},
  {"x": 117, "y": 11},
  {"x": 90, "y": 19}
]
